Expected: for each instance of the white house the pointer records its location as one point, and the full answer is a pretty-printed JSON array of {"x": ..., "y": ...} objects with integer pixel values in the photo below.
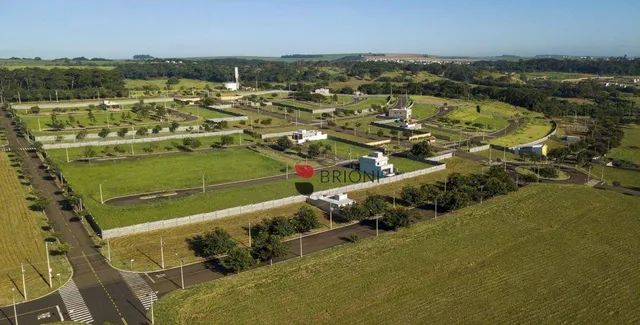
[
  {"x": 331, "y": 203},
  {"x": 301, "y": 136},
  {"x": 536, "y": 149},
  {"x": 376, "y": 163},
  {"x": 400, "y": 113},
  {"x": 322, "y": 91},
  {"x": 410, "y": 125}
]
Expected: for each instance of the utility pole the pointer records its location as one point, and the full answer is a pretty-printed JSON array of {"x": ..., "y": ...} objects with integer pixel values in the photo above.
[
  {"x": 330, "y": 215},
  {"x": 436, "y": 209},
  {"x": 377, "y": 225},
  {"x": 203, "y": 185},
  {"x": 108, "y": 251},
  {"x": 57, "y": 95},
  {"x": 101, "y": 197},
  {"x": 181, "y": 274},
  {"x": 15, "y": 311},
  {"x": 300, "y": 244},
  {"x": 249, "y": 233},
  {"x": 161, "y": 253},
  {"x": 66, "y": 150},
  {"x": 46, "y": 246},
  {"x": 24, "y": 283},
  {"x": 287, "y": 171}
]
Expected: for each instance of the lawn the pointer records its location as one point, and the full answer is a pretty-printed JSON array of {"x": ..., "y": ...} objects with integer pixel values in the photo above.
[
  {"x": 627, "y": 178},
  {"x": 22, "y": 240},
  {"x": 629, "y": 149},
  {"x": 533, "y": 129},
  {"x": 421, "y": 111},
  {"x": 140, "y": 84},
  {"x": 166, "y": 172},
  {"x": 507, "y": 261},
  {"x": 202, "y": 112}
]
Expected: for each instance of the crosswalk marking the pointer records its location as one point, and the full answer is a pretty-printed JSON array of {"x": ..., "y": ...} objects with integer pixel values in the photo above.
[
  {"x": 75, "y": 304},
  {"x": 140, "y": 288}
]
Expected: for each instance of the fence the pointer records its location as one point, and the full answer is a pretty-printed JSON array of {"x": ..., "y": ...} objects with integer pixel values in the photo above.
[
  {"x": 83, "y": 103},
  {"x": 140, "y": 140},
  {"x": 441, "y": 156},
  {"x": 202, "y": 217},
  {"x": 228, "y": 119},
  {"x": 479, "y": 148}
]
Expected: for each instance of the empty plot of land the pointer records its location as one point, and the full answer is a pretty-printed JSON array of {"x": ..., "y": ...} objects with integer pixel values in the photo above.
[
  {"x": 532, "y": 130},
  {"x": 629, "y": 149},
  {"x": 507, "y": 260}
]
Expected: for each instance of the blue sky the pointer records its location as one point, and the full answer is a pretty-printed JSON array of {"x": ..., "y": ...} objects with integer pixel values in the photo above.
[{"x": 119, "y": 29}]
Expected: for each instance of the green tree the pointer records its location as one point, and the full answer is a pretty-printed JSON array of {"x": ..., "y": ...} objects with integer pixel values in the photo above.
[
  {"x": 81, "y": 134},
  {"x": 89, "y": 152},
  {"x": 104, "y": 132},
  {"x": 305, "y": 220},
  {"x": 374, "y": 204},
  {"x": 39, "y": 203},
  {"x": 267, "y": 247},
  {"x": 156, "y": 129},
  {"x": 421, "y": 149},
  {"x": 314, "y": 150},
  {"x": 412, "y": 195},
  {"x": 123, "y": 132},
  {"x": 284, "y": 143},
  {"x": 214, "y": 243},
  {"x": 173, "y": 126},
  {"x": 395, "y": 218},
  {"x": 226, "y": 140},
  {"x": 142, "y": 131},
  {"x": 238, "y": 259}
]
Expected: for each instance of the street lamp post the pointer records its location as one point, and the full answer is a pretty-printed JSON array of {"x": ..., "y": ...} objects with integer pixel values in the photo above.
[{"x": 15, "y": 310}]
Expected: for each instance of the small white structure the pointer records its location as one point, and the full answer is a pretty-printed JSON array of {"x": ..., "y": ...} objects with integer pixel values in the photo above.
[
  {"x": 410, "y": 125},
  {"x": 331, "y": 203},
  {"x": 301, "y": 136},
  {"x": 109, "y": 105},
  {"x": 322, "y": 91},
  {"x": 233, "y": 86},
  {"x": 376, "y": 163},
  {"x": 400, "y": 113}
]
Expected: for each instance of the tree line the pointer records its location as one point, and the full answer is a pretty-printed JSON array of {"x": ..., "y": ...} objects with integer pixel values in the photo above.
[{"x": 37, "y": 84}]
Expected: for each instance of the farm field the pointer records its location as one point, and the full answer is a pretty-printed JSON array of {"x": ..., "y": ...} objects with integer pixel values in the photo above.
[
  {"x": 144, "y": 247},
  {"x": 508, "y": 255},
  {"x": 558, "y": 76},
  {"x": 534, "y": 129},
  {"x": 140, "y": 84},
  {"x": 12, "y": 64},
  {"x": 22, "y": 239},
  {"x": 629, "y": 149}
]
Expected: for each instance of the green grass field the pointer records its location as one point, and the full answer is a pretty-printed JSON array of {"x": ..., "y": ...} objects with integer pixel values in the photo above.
[
  {"x": 421, "y": 111},
  {"x": 627, "y": 178},
  {"x": 81, "y": 120},
  {"x": 506, "y": 261},
  {"x": 533, "y": 129},
  {"x": 22, "y": 241},
  {"x": 629, "y": 149},
  {"x": 167, "y": 172},
  {"x": 203, "y": 113},
  {"x": 140, "y": 84}
]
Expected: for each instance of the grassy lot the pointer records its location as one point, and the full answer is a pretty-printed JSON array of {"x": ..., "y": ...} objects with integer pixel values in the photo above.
[
  {"x": 627, "y": 178},
  {"x": 366, "y": 103},
  {"x": 144, "y": 247},
  {"x": 81, "y": 120},
  {"x": 629, "y": 149},
  {"x": 22, "y": 240},
  {"x": 166, "y": 172},
  {"x": 202, "y": 112},
  {"x": 508, "y": 256},
  {"x": 141, "y": 149},
  {"x": 48, "y": 64},
  {"x": 420, "y": 111},
  {"x": 558, "y": 76},
  {"x": 532, "y": 130}
]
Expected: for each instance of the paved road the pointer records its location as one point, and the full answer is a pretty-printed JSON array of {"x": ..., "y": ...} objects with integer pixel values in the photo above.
[{"x": 101, "y": 287}]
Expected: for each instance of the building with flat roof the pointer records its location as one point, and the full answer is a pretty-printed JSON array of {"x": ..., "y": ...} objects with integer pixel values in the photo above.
[
  {"x": 400, "y": 113},
  {"x": 377, "y": 164},
  {"x": 109, "y": 105},
  {"x": 301, "y": 136},
  {"x": 536, "y": 149}
]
